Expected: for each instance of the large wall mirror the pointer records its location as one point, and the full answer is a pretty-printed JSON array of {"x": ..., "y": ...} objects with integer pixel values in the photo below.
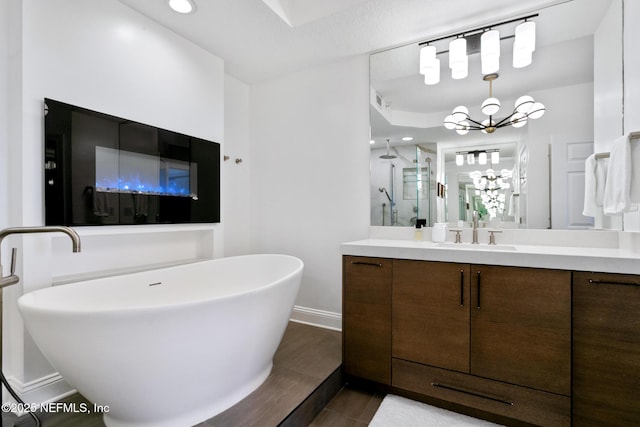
[{"x": 517, "y": 177}]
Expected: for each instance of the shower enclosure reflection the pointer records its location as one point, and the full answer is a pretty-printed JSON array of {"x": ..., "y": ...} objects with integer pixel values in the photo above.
[{"x": 403, "y": 186}]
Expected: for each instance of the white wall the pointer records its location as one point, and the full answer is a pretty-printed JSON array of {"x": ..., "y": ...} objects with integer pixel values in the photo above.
[
  {"x": 237, "y": 204},
  {"x": 310, "y": 171},
  {"x": 631, "y": 85},
  {"x": 4, "y": 110},
  {"x": 573, "y": 124},
  {"x": 104, "y": 56},
  {"x": 607, "y": 79}
]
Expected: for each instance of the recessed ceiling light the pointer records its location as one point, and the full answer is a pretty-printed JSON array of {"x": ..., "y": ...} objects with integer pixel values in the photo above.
[
  {"x": 371, "y": 141},
  {"x": 407, "y": 138},
  {"x": 183, "y": 6}
]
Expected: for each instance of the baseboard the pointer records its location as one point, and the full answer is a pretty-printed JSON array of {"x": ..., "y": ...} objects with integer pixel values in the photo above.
[
  {"x": 50, "y": 388},
  {"x": 320, "y": 318}
]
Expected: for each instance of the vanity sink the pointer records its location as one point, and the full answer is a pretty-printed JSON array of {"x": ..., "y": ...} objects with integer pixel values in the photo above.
[{"x": 481, "y": 246}]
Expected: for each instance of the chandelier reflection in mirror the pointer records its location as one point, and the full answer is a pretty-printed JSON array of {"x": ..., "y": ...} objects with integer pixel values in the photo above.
[
  {"x": 490, "y": 187},
  {"x": 525, "y": 108}
]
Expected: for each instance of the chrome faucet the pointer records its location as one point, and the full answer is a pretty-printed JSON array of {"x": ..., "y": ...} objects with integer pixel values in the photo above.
[
  {"x": 12, "y": 278},
  {"x": 475, "y": 227}
]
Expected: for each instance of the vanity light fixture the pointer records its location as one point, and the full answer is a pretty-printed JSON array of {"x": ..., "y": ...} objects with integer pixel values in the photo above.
[
  {"x": 466, "y": 43},
  {"x": 525, "y": 108},
  {"x": 183, "y": 6},
  {"x": 483, "y": 157}
]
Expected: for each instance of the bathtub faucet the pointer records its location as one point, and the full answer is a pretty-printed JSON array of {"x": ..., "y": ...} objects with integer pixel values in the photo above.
[{"x": 12, "y": 278}]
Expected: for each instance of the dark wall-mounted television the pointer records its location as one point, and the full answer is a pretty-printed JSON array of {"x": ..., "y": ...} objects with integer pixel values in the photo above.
[{"x": 105, "y": 170}]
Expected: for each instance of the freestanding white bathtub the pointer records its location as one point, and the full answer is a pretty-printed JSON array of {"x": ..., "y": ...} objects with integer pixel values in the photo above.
[{"x": 169, "y": 347}]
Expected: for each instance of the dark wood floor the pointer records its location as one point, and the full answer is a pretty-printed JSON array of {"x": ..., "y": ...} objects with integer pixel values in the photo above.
[
  {"x": 351, "y": 407},
  {"x": 305, "y": 376}
]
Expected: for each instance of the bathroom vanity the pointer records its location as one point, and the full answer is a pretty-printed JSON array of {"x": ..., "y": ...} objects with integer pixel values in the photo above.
[{"x": 494, "y": 335}]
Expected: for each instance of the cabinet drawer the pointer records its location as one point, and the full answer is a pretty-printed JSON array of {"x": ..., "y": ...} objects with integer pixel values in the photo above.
[{"x": 508, "y": 400}]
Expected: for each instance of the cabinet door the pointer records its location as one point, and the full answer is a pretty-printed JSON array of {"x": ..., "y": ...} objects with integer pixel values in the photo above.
[
  {"x": 606, "y": 349},
  {"x": 521, "y": 326},
  {"x": 431, "y": 313},
  {"x": 366, "y": 312}
]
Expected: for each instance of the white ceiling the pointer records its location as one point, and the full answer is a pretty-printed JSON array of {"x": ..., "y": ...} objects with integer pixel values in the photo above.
[
  {"x": 563, "y": 57},
  {"x": 258, "y": 44}
]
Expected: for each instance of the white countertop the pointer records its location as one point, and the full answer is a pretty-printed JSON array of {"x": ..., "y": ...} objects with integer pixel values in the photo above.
[{"x": 605, "y": 260}]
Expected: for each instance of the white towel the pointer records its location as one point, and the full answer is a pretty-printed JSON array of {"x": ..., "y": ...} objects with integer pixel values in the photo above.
[
  {"x": 617, "y": 193},
  {"x": 635, "y": 171},
  {"x": 602, "y": 166},
  {"x": 595, "y": 178}
]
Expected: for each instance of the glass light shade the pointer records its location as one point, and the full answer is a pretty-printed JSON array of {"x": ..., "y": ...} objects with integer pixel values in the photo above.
[
  {"x": 471, "y": 159},
  {"x": 537, "y": 110},
  {"x": 462, "y": 128},
  {"x": 490, "y": 106},
  {"x": 526, "y": 36},
  {"x": 460, "y": 69},
  {"x": 457, "y": 51},
  {"x": 524, "y": 104},
  {"x": 460, "y": 113},
  {"x": 432, "y": 73},
  {"x": 482, "y": 158},
  {"x": 459, "y": 159},
  {"x": 475, "y": 175},
  {"x": 518, "y": 120},
  {"x": 449, "y": 122},
  {"x": 182, "y": 6},
  {"x": 490, "y": 65},
  {"x": 521, "y": 57},
  {"x": 495, "y": 157},
  {"x": 490, "y": 51},
  {"x": 427, "y": 58}
]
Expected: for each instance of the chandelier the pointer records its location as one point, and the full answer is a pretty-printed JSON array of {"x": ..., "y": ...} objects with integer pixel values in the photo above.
[
  {"x": 525, "y": 108},
  {"x": 489, "y": 186}
]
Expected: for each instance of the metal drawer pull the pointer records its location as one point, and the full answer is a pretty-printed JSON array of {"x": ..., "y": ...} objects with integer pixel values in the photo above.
[
  {"x": 373, "y": 264},
  {"x": 610, "y": 282},
  {"x": 473, "y": 393},
  {"x": 478, "y": 295},
  {"x": 461, "y": 288}
]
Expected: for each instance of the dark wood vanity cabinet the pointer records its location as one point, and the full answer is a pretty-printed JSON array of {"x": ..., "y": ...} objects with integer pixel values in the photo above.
[
  {"x": 430, "y": 313},
  {"x": 521, "y": 326},
  {"x": 366, "y": 312},
  {"x": 606, "y": 349},
  {"x": 495, "y": 339}
]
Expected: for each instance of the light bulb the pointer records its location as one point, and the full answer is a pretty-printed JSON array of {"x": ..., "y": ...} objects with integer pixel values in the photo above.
[
  {"x": 449, "y": 122},
  {"x": 460, "y": 113},
  {"x": 495, "y": 157},
  {"x": 482, "y": 158},
  {"x": 490, "y": 106},
  {"x": 524, "y": 104},
  {"x": 537, "y": 110},
  {"x": 490, "y": 51}
]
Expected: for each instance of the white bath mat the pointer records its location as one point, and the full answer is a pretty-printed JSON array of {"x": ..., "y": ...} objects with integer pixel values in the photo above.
[{"x": 395, "y": 411}]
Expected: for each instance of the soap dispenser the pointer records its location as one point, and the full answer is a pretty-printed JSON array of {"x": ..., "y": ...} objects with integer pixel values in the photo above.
[{"x": 417, "y": 234}]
